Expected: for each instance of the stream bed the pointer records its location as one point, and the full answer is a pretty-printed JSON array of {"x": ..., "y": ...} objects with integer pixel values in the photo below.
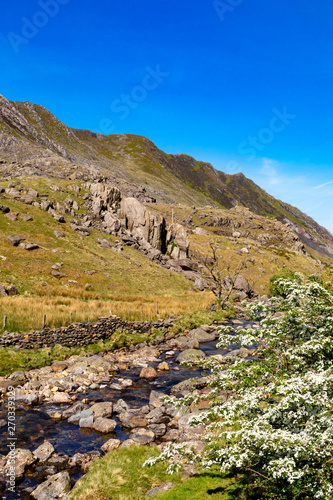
[{"x": 34, "y": 426}]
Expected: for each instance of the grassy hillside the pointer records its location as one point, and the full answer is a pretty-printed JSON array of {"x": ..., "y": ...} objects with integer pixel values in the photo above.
[
  {"x": 39, "y": 143},
  {"x": 98, "y": 280}
]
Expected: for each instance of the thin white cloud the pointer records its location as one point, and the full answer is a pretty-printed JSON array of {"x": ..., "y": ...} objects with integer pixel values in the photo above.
[
  {"x": 269, "y": 169},
  {"x": 323, "y": 185}
]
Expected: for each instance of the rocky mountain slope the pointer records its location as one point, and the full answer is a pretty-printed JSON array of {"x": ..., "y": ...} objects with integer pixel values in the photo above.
[{"x": 35, "y": 142}]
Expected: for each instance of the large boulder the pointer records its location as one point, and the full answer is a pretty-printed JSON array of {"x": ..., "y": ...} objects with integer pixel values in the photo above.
[
  {"x": 177, "y": 241},
  {"x": 111, "y": 444},
  {"x": 101, "y": 364},
  {"x": 111, "y": 222},
  {"x": 142, "y": 436},
  {"x": 17, "y": 378},
  {"x": 143, "y": 223},
  {"x": 148, "y": 373}
]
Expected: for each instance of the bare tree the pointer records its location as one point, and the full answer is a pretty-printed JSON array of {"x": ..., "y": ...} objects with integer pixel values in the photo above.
[{"x": 221, "y": 281}]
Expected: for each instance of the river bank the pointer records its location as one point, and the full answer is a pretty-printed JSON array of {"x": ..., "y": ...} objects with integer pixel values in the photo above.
[{"x": 84, "y": 406}]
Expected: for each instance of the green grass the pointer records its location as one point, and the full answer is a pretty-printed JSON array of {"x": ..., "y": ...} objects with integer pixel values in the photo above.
[
  {"x": 27, "y": 359},
  {"x": 120, "y": 476},
  {"x": 206, "y": 486},
  {"x": 117, "y": 284}
]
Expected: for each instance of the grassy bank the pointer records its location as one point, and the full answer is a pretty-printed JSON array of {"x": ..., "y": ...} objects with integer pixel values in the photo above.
[
  {"x": 24, "y": 359},
  {"x": 120, "y": 476}
]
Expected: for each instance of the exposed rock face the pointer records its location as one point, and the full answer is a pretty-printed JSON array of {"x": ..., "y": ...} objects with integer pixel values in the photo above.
[
  {"x": 143, "y": 223},
  {"x": 104, "y": 197},
  {"x": 112, "y": 222},
  {"x": 177, "y": 241},
  {"x": 129, "y": 218}
]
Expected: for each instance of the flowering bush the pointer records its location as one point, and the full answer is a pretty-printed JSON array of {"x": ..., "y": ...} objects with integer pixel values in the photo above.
[{"x": 278, "y": 426}]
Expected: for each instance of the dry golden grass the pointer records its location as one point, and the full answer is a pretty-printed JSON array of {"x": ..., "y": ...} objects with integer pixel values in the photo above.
[
  {"x": 122, "y": 285},
  {"x": 26, "y": 313}
]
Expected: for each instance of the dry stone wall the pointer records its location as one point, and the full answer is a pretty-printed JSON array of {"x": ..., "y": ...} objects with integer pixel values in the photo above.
[{"x": 80, "y": 334}]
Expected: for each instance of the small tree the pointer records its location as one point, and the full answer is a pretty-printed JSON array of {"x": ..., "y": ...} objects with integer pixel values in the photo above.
[{"x": 221, "y": 281}]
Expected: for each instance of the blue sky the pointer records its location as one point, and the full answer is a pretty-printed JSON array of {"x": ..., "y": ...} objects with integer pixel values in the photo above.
[{"x": 245, "y": 85}]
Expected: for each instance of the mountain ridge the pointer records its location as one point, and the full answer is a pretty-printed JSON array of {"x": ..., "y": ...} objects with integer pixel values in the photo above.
[{"x": 34, "y": 142}]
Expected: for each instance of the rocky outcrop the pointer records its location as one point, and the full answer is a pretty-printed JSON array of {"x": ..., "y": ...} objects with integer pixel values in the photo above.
[
  {"x": 177, "y": 241},
  {"x": 104, "y": 197},
  {"x": 128, "y": 218},
  {"x": 143, "y": 223}
]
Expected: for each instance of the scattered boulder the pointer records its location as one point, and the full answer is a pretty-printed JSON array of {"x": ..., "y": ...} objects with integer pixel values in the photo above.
[
  {"x": 201, "y": 284},
  {"x": 17, "y": 378},
  {"x": 155, "y": 399},
  {"x": 148, "y": 373},
  {"x": 111, "y": 444},
  {"x": 15, "y": 239},
  {"x": 193, "y": 355},
  {"x": 12, "y": 290},
  {"x": 104, "y": 425},
  {"x": 62, "y": 397},
  {"x": 102, "y": 409},
  {"x": 75, "y": 419},
  {"x": 44, "y": 451},
  {"x": 4, "y": 209},
  {"x": 58, "y": 234},
  {"x": 20, "y": 459},
  {"x": 32, "y": 193},
  {"x": 142, "y": 436},
  {"x": 58, "y": 274},
  {"x": 55, "y": 487},
  {"x": 13, "y": 193},
  {"x": 86, "y": 422},
  {"x": 160, "y": 489},
  {"x": 104, "y": 243},
  {"x": 158, "y": 429},
  {"x": 11, "y": 217},
  {"x": 59, "y": 366},
  {"x": 163, "y": 367},
  {"x": 30, "y": 246},
  {"x": 132, "y": 421},
  {"x": 239, "y": 353},
  {"x": 201, "y": 335}
]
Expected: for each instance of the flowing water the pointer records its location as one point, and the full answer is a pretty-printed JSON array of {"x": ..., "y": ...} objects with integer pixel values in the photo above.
[{"x": 34, "y": 426}]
